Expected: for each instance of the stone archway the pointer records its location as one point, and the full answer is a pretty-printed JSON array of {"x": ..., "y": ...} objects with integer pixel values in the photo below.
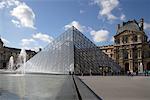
[
  {"x": 148, "y": 66},
  {"x": 126, "y": 67}
]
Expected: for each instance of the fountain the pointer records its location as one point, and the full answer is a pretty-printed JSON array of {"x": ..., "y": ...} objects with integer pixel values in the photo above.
[
  {"x": 21, "y": 60},
  {"x": 71, "y": 69},
  {"x": 22, "y": 57},
  {"x": 11, "y": 63}
]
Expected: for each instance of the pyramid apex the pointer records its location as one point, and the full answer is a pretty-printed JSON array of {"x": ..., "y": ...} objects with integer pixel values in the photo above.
[{"x": 73, "y": 28}]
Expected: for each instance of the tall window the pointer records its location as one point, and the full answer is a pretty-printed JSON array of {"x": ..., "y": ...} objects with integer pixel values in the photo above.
[
  {"x": 135, "y": 54},
  {"x": 117, "y": 41},
  {"x": 145, "y": 38},
  {"x": 135, "y": 38},
  {"x": 125, "y": 55},
  {"x": 125, "y": 39},
  {"x": 111, "y": 55}
]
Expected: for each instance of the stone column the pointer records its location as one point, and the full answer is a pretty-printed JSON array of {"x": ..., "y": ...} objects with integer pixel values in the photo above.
[
  {"x": 132, "y": 39},
  {"x": 131, "y": 52},
  {"x": 139, "y": 53},
  {"x": 131, "y": 65},
  {"x": 121, "y": 53},
  {"x": 115, "y": 52},
  {"x": 131, "y": 58},
  {"x": 121, "y": 63},
  {"x": 121, "y": 38}
]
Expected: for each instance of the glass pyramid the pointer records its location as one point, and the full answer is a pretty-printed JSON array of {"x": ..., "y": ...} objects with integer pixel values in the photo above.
[{"x": 70, "y": 52}]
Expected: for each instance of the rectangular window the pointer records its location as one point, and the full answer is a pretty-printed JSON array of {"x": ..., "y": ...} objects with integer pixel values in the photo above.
[
  {"x": 110, "y": 55},
  {"x": 117, "y": 41},
  {"x": 125, "y": 39}
]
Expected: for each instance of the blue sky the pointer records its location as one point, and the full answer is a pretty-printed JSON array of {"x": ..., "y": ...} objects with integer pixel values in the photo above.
[{"x": 32, "y": 24}]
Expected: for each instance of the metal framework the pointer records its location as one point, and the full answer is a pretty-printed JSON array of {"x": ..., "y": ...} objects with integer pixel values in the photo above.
[{"x": 70, "y": 52}]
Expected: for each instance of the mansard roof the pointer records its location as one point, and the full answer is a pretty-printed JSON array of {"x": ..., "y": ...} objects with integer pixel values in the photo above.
[
  {"x": 1, "y": 41},
  {"x": 130, "y": 26}
]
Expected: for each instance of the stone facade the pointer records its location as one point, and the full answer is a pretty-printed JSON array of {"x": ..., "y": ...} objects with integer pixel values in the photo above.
[
  {"x": 108, "y": 50},
  {"x": 132, "y": 48},
  {"x": 7, "y": 52}
]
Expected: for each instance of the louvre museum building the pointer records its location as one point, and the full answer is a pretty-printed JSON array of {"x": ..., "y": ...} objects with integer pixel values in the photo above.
[
  {"x": 7, "y": 52},
  {"x": 131, "y": 49}
]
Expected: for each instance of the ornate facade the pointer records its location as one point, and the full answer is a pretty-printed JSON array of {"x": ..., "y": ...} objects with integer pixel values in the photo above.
[
  {"x": 132, "y": 48},
  {"x": 7, "y": 52}
]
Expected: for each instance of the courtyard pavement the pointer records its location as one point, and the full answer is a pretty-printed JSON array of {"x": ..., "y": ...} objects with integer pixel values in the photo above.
[
  {"x": 37, "y": 87},
  {"x": 119, "y": 87},
  {"x": 43, "y": 87}
]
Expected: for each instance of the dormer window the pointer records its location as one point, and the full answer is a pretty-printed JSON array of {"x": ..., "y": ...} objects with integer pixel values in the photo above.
[
  {"x": 117, "y": 41},
  {"x": 135, "y": 38}
]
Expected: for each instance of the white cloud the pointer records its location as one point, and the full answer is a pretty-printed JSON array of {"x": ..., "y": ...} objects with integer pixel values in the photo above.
[
  {"x": 16, "y": 23},
  {"x": 112, "y": 39},
  {"x": 77, "y": 25},
  {"x": 100, "y": 35},
  {"x": 43, "y": 37},
  {"x": 6, "y": 42},
  {"x": 122, "y": 17},
  {"x": 2, "y": 4},
  {"x": 30, "y": 44},
  {"x": 24, "y": 15},
  {"x": 36, "y": 48},
  {"x": 8, "y": 3},
  {"x": 106, "y": 8},
  {"x": 146, "y": 26},
  {"x": 35, "y": 42},
  {"x": 26, "y": 42}
]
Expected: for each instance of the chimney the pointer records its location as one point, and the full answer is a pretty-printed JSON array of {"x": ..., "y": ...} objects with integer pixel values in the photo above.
[
  {"x": 142, "y": 24},
  {"x": 40, "y": 49},
  {"x": 118, "y": 26}
]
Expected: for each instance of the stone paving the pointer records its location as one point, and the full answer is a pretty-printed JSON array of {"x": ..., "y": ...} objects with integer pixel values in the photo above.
[
  {"x": 37, "y": 87},
  {"x": 119, "y": 87},
  {"x": 43, "y": 87}
]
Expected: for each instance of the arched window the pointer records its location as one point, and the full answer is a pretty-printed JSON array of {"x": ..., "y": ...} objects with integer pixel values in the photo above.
[
  {"x": 126, "y": 67},
  {"x": 125, "y": 55},
  {"x": 125, "y": 39},
  {"x": 135, "y": 38}
]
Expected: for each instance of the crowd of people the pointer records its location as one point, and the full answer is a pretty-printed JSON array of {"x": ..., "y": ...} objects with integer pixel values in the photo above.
[{"x": 131, "y": 73}]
